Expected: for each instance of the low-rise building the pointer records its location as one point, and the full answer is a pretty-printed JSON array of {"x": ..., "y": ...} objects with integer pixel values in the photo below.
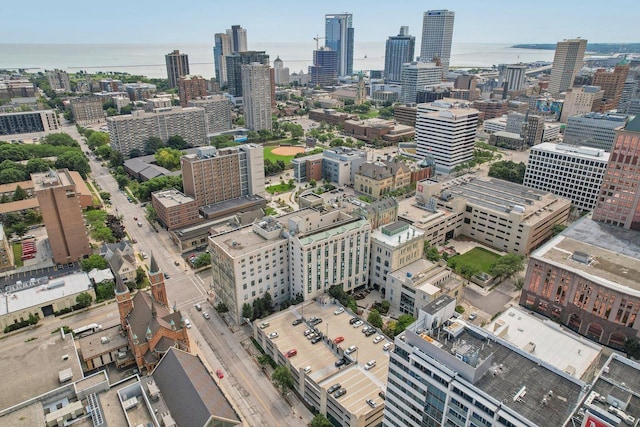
[
  {"x": 498, "y": 124},
  {"x": 329, "y": 116},
  {"x": 405, "y": 114},
  {"x": 340, "y": 164},
  {"x": 385, "y": 131},
  {"x": 175, "y": 209},
  {"x": 375, "y": 179},
  {"x": 508, "y": 140},
  {"x": 140, "y": 91},
  {"x": 307, "y": 168}
]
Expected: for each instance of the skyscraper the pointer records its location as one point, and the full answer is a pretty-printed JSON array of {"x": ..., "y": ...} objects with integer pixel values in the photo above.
[
  {"x": 339, "y": 37},
  {"x": 235, "y": 61},
  {"x": 177, "y": 66},
  {"x": 324, "y": 70},
  {"x": 619, "y": 200},
  {"x": 238, "y": 38},
  {"x": 516, "y": 78},
  {"x": 221, "y": 49},
  {"x": 567, "y": 62},
  {"x": 256, "y": 86},
  {"x": 437, "y": 34},
  {"x": 612, "y": 82},
  {"x": 399, "y": 50},
  {"x": 415, "y": 76}
]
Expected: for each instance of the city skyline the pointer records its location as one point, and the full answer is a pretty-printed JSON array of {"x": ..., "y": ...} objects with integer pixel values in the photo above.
[{"x": 475, "y": 22}]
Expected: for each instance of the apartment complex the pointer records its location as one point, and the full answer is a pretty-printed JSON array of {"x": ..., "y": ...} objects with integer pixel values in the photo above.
[
  {"x": 446, "y": 131},
  {"x": 256, "y": 84},
  {"x": 191, "y": 87},
  {"x": 61, "y": 212},
  {"x": 399, "y": 50},
  {"x": 339, "y": 36},
  {"x": 594, "y": 130},
  {"x": 416, "y": 76},
  {"x": 177, "y": 66},
  {"x": 509, "y": 217},
  {"x": 87, "y": 110},
  {"x": 280, "y": 72},
  {"x": 437, "y": 35},
  {"x": 217, "y": 109},
  {"x": 298, "y": 254},
  {"x": 568, "y": 171},
  {"x": 59, "y": 80},
  {"x": 131, "y": 131},
  {"x": 234, "y": 68},
  {"x": 567, "y": 62},
  {"x": 376, "y": 179},
  {"x": 140, "y": 91},
  {"x": 28, "y": 121},
  {"x": 581, "y": 101}
]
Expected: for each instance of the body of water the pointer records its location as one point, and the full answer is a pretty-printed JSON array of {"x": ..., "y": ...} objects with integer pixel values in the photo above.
[{"x": 148, "y": 59}]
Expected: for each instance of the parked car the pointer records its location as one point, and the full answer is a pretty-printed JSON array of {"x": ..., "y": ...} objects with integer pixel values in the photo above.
[
  {"x": 296, "y": 322},
  {"x": 166, "y": 276},
  {"x": 353, "y": 320},
  {"x": 316, "y": 339},
  {"x": 139, "y": 224},
  {"x": 273, "y": 335},
  {"x": 307, "y": 332},
  {"x": 333, "y": 388},
  {"x": 473, "y": 316},
  {"x": 264, "y": 325},
  {"x": 339, "y": 362},
  {"x": 187, "y": 323},
  {"x": 135, "y": 218},
  {"x": 205, "y": 315},
  {"x": 358, "y": 324},
  {"x": 340, "y": 392},
  {"x": 377, "y": 339},
  {"x": 387, "y": 346},
  {"x": 291, "y": 353},
  {"x": 370, "y": 332},
  {"x": 340, "y": 310},
  {"x": 311, "y": 336},
  {"x": 370, "y": 364},
  {"x": 219, "y": 373},
  {"x": 371, "y": 403},
  {"x": 350, "y": 349},
  {"x": 338, "y": 340},
  {"x": 198, "y": 307},
  {"x": 307, "y": 369}
]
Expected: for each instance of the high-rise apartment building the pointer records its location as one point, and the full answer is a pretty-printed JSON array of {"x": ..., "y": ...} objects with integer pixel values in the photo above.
[
  {"x": 533, "y": 130},
  {"x": 619, "y": 200},
  {"x": 191, "y": 87},
  {"x": 28, "y": 121},
  {"x": 415, "y": 77},
  {"x": 339, "y": 36},
  {"x": 567, "y": 61},
  {"x": 217, "y": 110},
  {"x": 516, "y": 77},
  {"x": 324, "y": 70},
  {"x": 221, "y": 48},
  {"x": 612, "y": 83},
  {"x": 234, "y": 68},
  {"x": 177, "y": 66},
  {"x": 132, "y": 131},
  {"x": 61, "y": 212},
  {"x": 580, "y": 100},
  {"x": 237, "y": 38},
  {"x": 87, "y": 110},
  {"x": 594, "y": 130},
  {"x": 437, "y": 36},
  {"x": 212, "y": 176},
  {"x": 256, "y": 87},
  {"x": 446, "y": 131},
  {"x": 281, "y": 73},
  {"x": 399, "y": 50},
  {"x": 140, "y": 91},
  {"x": 59, "y": 80}
]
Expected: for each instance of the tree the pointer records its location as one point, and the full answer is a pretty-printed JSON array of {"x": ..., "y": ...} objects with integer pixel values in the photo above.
[
  {"x": 296, "y": 131},
  {"x": 38, "y": 165},
  {"x": 84, "y": 300},
  {"x": 103, "y": 152},
  {"x": 557, "y": 229},
  {"x": 402, "y": 323},
  {"x": 264, "y": 360},
  {"x": 267, "y": 302},
  {"x": 508, "y": 265},
  {"x": 5, "y": 199},
  {"x": 508, "y": 170},
  {"x": 221, "y": 307},
  {"x": 105, "y": 195},
  {"x": 432, "y": 254},
  {"x": 60, "y": 139},
  {"x": 19, "y": 229},
  {"x": 282, "y": 379},
  {"x": 97, "y": 139},
  {"x": 168, "y": 158},
  {"x": 202, "y": 260},
  {"x": 140, "y": 275},
  {"x": 468, "y": 271},
  {"x": 19, "y": 194},
  {"x": 122, "y": 181},
  {"x": 312, "y": 183},
  {"x": 177, "y": 142},
  {"x": 320, "y": 421},
  {"x": 632, "y": 348},
  {"x": 247, "y": 311},
  {"x": 374, "y": 318},
  {"x": 94, "y": 261},
  {"x": 74, "y": 160},
  {"x": 135, "y": 153},
  {"x": 153, "y": 144},
  {"x": 116, "y": 159}
]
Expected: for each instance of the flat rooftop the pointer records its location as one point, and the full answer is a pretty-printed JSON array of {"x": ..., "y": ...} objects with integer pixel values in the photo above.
[
  {"x": 237, "y": 204},
  {"x": 51, "y": 179},
  {"x": 548, "y": 341},
  {"x": 410, "y": 211},
  {"x": 586, "y": 153},
  {"x": 172, "y": 198},
  {"x": 321, "y": 357},
  {"x": 612, "y": 254},
  {"x": 397, "y": 233},
  {"x": 92, "y": 346}
]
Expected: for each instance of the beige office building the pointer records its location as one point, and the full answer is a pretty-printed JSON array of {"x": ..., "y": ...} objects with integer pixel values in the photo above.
[
  {"x": 567, "y": 62},
  {"x": 581, "y": 101}
]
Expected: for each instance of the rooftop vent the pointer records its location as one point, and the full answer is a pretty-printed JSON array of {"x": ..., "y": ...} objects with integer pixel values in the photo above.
[{"x": 581, "y": 257}]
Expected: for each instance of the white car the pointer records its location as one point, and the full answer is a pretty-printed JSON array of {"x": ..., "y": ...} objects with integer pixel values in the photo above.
[
  {"x": 273, "y": 335},
  {"x": 339, "y": 311},
  {"x": 307, "y": 369},
  {"x": 187, "y": 323},
  {"x": 377, "y": 339},
  {"x": 370, "y": 364},
  {"x": 350, "y": 349},
  {"x": 386, "y": 347},
  {"x": 358, "y": 324},
  {"x": 473, "y": 316},
  {"x": 264, "y": 325}
]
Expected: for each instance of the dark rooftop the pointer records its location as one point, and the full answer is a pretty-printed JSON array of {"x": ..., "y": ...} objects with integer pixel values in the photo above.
[
  {"x": 437, "y": 304},
  {"x": 633, "y": 125}
]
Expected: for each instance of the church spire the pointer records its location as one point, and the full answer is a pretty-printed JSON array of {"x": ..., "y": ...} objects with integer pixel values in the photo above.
[{"x": 153, "y": 268}]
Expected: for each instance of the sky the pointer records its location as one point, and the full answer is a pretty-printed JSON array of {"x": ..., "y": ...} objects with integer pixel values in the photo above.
[{"x": 196, "y": 21}]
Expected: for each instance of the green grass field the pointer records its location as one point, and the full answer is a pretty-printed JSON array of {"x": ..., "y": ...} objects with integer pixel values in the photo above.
[
  {"x": 280, "y": 188},
  {"x": 275, "y": 157},
  {"x": 17, "y": 254},
  {"x": 481, "y": 258}
]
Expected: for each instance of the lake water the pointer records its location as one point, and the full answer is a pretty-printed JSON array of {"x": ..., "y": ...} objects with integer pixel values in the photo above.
[{"x": 148, "y": 59}]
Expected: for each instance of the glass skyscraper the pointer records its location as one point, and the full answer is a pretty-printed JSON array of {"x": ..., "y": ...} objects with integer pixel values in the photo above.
[
  {"x": 399, "y": 50},
  {"x": 339, "y": 37}
]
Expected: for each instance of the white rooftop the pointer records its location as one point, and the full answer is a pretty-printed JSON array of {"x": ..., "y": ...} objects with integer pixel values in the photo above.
[
  {"x": 547, "y": 341},
  {"x": 573, "y": 150}
]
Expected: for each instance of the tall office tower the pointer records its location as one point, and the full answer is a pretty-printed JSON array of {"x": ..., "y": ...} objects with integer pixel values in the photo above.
[
  {"x": 256, "y": 86},
  {"x": 516, "y": 78},
  {"x": 62, "y": 214},
  {"x": 281, "y": 73},
  {"x": 437, "y": 34},
  {"x": 212, "y": 176},
  {"x": 59, "y": 80},
  {"x": 399, "y": 50},
  {"x": 177, "y": 66},
  {"x": 339, "y": 36},
  {"x": 581, "y": 100},
  {"x": 619, "y": 200},
  {"x": 612, "y": 82},
  {"x": 217, "y": 110},
  {"x": 324, "y": 70},
  {"x": 629, "y": 92},
  {"x": 234, "y": 71},
  {"x": 447, "y": 132},
  {"x": 567, "y": 61},
  {"x": 221, "y": 49},
  {"x": 415, "y": 76},
  {"x": 191, "y": 87},
  {"x": 594, "y": 130},
  {"x": 533, "y": 130},
  {"x": 238, "y": 38}
]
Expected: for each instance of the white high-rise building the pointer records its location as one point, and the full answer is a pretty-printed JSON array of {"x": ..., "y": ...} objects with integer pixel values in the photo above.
[
  {"x": 237, "y": 38},
  {"x": 416, "y": 76},
  {"x": 217, "y": 112},
  {"x": 256, "y": 84},
  {"x": 281, "y": 73},
  {"x": 437, "y": 35},
  {"x": 568, "y": 171},
  {"x": 567, "y": 62},
  {"x": 446, "y": 131},
  {"x": 516, "y": 77}
]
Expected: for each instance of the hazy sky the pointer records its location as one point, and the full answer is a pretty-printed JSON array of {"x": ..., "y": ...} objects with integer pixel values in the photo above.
[{"x": 195, "y": 21}]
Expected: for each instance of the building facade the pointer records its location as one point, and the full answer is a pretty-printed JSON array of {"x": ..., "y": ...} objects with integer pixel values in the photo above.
[
  {"x": 191, "y": 87},
  {"x": 217, "y": 109},
  {"x": 175, "y": 209},
  {"x": 177, "y": 66},
  {"x": 415, "y": 76},
  {"x": 221, "y": 48},
  {"x": 87, "y": 110},
  {"x": 437, "y": 35},
  {"x": 28, "y": 121},
  {"x": 612, "y": 83},
  {"x": 515, "y": 78},
  {"x": 238, "y": 38},
  {"x": 571, "y": 172},
  {"x": 256, "y": 87},
  {"x": 140, "y": 91},
  {"x": 339, "y": 36},
  {"x": 7, "y": 260},
  {"x": 594, "y": 130},
  {"x": 281, "y": 73},
  {"x": 377, "y": 179},
  {"x": 341, "y": 163},
  {"x": 324, "y": 70},
  {"x": 235, "y": 62},
  {"x": 581, "y": 101},
  {"x": 62, "y": 215},
  {"x": 59, "y": 80},
  {"x": 399, "y": 50},
  {"x": 567, "y": 62}
]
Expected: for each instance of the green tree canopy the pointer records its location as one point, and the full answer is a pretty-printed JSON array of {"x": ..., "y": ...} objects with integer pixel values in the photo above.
[
  {"x": 94, "y": 261},
  {"x": 374, "y": 318},
  {"x": 97, "y": 139},
  {"x": 153, "y": 144},
  {"x": 75, "y": 161},
  {"x": 103, "y": 151},
  {"x": 282, "y": 379},
  {"x": 56, "y": 139},
  {"x": 177, "y": 142},
  {"x": 19, "y": 194},
  {"x": 508, "y": 170},
  {"x": 247, "y": 311},
  {"x": 168, "y": 158},
  {"x": 38, "y": 165},
  {"x": 320, "y": 421},
  {"x": 84, "y": 299},
  {"x": 508, "y": 265}
]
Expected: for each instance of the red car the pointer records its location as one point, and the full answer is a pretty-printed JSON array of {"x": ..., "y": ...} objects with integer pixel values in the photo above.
[
  {"x": 338, "y": 340},
  {"x": 135, "y": 218},
  {"x": 219, "y": 373},
  {"x": 291, "y": 353}
]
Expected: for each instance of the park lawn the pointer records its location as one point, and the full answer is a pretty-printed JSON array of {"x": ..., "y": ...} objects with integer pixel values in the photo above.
[
  {"x": 17, "y": 254},
  {"x": 275, "y": 157},
  {"x": 370, "y": 115},
  {"x": 479, "y": 257},
  {"x": 283, "y": 187}
]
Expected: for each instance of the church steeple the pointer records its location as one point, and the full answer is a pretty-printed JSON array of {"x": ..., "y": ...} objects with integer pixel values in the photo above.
[
  {"x": 124, "y": 299},
  {"x": 156, "y": 278}
]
